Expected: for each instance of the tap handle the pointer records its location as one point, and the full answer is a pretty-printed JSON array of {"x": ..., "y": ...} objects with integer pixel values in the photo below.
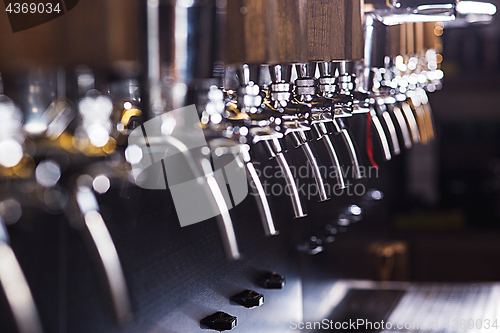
[
  {"x": 410, "y": 39},
  {"x": 325, "y": 30},
  {"x": 395, "y": 38},
  {"x": 273, "y": 147},
  {"x": 354, "y": 19},
  {"x": 102, "y": 244},
  {"x": 346, "y": 137},
  {"x": 16, "y": 288},
  {"x": 300, "y": 140},
  {"x": 419, "y": 38},
  {"x": 263, "y": 31}
]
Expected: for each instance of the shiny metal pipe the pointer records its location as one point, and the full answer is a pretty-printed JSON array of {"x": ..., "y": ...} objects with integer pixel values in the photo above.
[
  {"x": 411, "y": 121},
  {"x": 381, "y": 134},
  {"x": 274, "y": 149},
  {"x": 16, "y": 288},
  {"x": 300, "y": 140},
  {"x": 323, "y": 135},
  {"x": 224, "y": 220},
  {"x": 390, "y": 125},
  {"x": 102, "y": 242},
  {"x": 346, "y": 137},
  {"x": 261, "y": 196}
]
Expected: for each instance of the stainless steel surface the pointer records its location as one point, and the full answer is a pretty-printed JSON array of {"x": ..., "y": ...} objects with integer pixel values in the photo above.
[
  {"x": 381, "y": 135},
  {"x": 346, "y": 137},
  {"x": 106, "y": 250},
  {"x": 405, "y": 132},
  {"x": 334, "y": 159},
  {"x": 17, "y": 292},
  {"x": 274, "y": 149},
  {"x": 390, "y": 126},
  {"x": 299, "y": 137}
]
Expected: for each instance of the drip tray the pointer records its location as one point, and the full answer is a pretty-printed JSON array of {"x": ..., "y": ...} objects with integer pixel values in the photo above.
[{"x": 411, "y": 307}]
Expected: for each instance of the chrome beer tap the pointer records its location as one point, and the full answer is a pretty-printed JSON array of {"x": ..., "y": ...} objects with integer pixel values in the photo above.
[
  {"x": 231, "y": 137},
  {"x": 391, "y": 104},
  {"x": 295, "y": 119},
  {"x": 374, "y": 59},
  {"x": 174, "y": 82},
  {"x": 264, "y": 126},
  {"x": 342, "y": 107},
  {"x": 321, "y": 113}
]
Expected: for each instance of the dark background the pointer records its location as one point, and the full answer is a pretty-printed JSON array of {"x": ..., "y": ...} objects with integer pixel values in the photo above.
[{"x": 441, "y": 200}]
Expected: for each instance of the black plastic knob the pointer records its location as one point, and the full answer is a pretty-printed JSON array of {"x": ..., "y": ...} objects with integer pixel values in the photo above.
[
  {"x": 274, "y": 281},
  {"x": 219, "y": 321},
  {"x": 248, "y": 298}
]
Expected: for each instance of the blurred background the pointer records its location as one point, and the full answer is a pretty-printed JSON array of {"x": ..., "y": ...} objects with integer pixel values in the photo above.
[{"x": 440, "y": 213}]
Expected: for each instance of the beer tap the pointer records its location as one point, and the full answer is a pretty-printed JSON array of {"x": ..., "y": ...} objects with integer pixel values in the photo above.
[
  {"x": 186, "y": 68},
  {"x": 329, "y": 38},
  {"x": 94, "y": 133},
  {"x": 263, "y": 129},
  {"x": 305, "y": 92},
  {"x": 400, "y": 108},
  {"x": 235, "y": 134},
  {"x": 391, "y": 13},
  {"x": 375, "y": 52},
  {"x": 342, "y": 107},
  {"x": 294, "y": 119},
  {"x": 231, "y": 137},
  {"x": 45, "y": 130},
  {"x": 278, "y": 116}
]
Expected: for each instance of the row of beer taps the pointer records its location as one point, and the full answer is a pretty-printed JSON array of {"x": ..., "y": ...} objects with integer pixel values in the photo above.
[{"x": 77, "y": 147}]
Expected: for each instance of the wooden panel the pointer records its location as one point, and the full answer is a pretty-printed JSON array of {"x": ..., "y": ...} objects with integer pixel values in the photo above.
[
  {"x": 354, "y": 32},
  {"x": 410, "y": 39},
  {"x": 394, "y": 40},
  {"x": 402, "y": 39},
  {"x": 248, "y": 31},
  {"x": 430, "y": 39},
  {"x": 419, "y": 38},
  {"x": 326, "y": 29},
  {"x": 290, "y": 21},
  {"x": 95, "y": 32}
]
